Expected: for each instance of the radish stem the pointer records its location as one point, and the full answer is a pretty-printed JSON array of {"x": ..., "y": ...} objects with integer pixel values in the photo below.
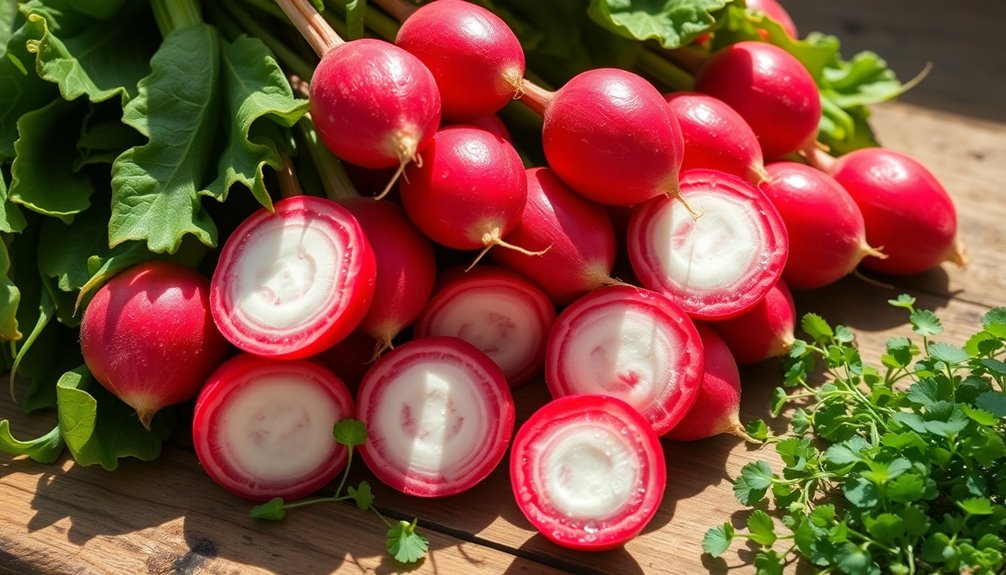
[
  {"x": 318, "y": 33},
  {"x": 534, "y": 96}
]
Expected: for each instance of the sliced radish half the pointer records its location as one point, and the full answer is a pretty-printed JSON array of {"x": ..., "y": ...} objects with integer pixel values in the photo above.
[
  {"x": 295, "y": 281},
  {"x": 499, "y": 312},
  {"x": 715, "y": 266},
  {"x": 630, "y": 343},
  {"x": 262, "y": 428},
  {"x": 439, "y": 416},
  {"x": 587, "y": 471}
]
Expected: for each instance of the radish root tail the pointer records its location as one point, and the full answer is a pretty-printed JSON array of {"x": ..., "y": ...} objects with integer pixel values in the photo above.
[{"x": 494, "y": 238}]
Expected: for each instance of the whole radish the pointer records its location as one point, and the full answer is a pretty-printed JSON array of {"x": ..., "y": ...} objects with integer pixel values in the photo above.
[
  {"x": 577, "y": 234},
  {"x": 406, "y": 268},
  {"x": 827, "y": 235},
  {"x": 775, "y": 11},
  {"x": 148, "y": 337},
  {"x": 907, "y": 212},
  {"x": 716, "y": 136},
  {"x": 717, "y": 406},
  {"x": 762, "y": 332},
  {"x": 770, "y": 89},
  {"x": 477, "y": 61}
]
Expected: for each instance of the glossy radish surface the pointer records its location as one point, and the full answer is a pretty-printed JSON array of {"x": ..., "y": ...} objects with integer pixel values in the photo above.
[
  {"x": 770, "y": 89},
  {"x": 719, "y": 265},
  {"x": 492, "y": 124},
  {"x": 439, "y": 416},
  {"x": 718, "y": 402},
  {"x": 587, "y": 471},
  {"x": 827, "y": 235},
  {"x": 716, "y": 136},
  {"x": 148, "y": 337},
  {"x": 476, "y": 59},
  {"x": 577, "y": 233},
  {"x": 907, "y": 211},
  {"x": 496, "y": 310},
  {"x": 764, "y": 331},
  {"x": 262, "y": 428},
  {"x": 374, "y": 104},
  {"x": 630, "y": 343},
  {"x": 775, "y": 11},
  {"x": 295, "y": 281}
]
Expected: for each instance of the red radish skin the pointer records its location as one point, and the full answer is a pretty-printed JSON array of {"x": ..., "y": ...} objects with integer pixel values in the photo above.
[
  {"x": 492, "y": 124},
  {"x": 577, "y": 235},
  {"x": 350, "y": 359},
  {"x": 718, "y": 402},
  {"x": 630, "y": 343},
  {"x": 503, "y": 314},
  {"x": 476, "y": 59},
  {"x": 295, "y": 281},
  {"x": 770, "y": 89},
  {"x": 908, "y": 213},
  {"x": 827, "y": 235},
  {"x": 723, "y": 263},
  {"x": 406, "y": 269},
  {"x": 262, "y": 428},
  {"x": 439, "y": 417},
  {"x": 609, "y": 134},
  {"x": 588, "y": 472},
  {"x": 148, "y": 337},
  {"x": 762, "y": 332},
  {"x": 716, "y": 137},
  {"x": 776, "y": 12}
]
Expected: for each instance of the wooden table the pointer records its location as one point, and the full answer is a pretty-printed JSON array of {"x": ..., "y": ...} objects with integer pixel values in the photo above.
[{"x": 168, "y": 517}]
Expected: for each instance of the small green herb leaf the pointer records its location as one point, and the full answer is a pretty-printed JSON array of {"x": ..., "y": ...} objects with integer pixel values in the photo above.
[
  {"x": 976, "y": 506},
  {"x": 904, "y": 300},
  {"x": 816, "y": 327},
  {"x": 762, "y": 528},
  {"x": 753, "y": 483},
  {"x": 925, "y": 323},
  {"x": 948, "y": 354},
  {"x": 993, "y": 402},
  {"x": 853, "y": 560},
  {"x": 405, "y": 543},
  {"x": 717, "y": 539},
  {"x": 906, "y": 488},
  {"x": 350, "y": 432},
  {"x": 757, "y": 429},
  {"x": 361, "y": 495},
  {"x": 886, "y": 527},
  {"x": 271, "y": 510},
  {"x": 861, "y": 492}
]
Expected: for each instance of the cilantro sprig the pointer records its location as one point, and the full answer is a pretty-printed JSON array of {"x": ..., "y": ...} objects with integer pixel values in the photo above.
[
  {"x": 898, "y": 467},
  {"x": 404, "y": 542}
]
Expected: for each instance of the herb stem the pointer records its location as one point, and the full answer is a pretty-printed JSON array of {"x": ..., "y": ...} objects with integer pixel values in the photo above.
[
  {"x": 171, "y": 15},
  {"x": 667, "y": 72}
]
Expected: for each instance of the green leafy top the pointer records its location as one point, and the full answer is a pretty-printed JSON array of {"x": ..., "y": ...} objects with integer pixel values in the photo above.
[{"x": 672, "y": 23}]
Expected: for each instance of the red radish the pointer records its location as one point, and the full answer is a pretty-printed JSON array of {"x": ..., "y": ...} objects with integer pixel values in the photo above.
[
  {"x": 717, "y": 406},
  {"x": 262, "y": 428},
  {"x": 770, "y": 89},
  {"x": 588, "y": 472},
  {"x": 827, "y": 235},
  {"x": 292, "y": 282},
  {"x": 610, "y": 136},
  {"x": 501, "y": 313},
  {"x": 716, "y": 136},
  {"x": 406, "y": 268},
  {"x": 630, "y": 343},
  {"x": 350, "y": 359},
  {"x": 476, "y": 59},
  {"x": 492, "y": 124},
  {"x": 719, "y": 265},
  {"x": 468, "y": 191},
  {"x": 577, "y": 234},
  {"x": 776, "y": 12},
  {"x": 906, "y": 210},
  {"x": 439, "y": 416},
  {"x": 148, "y": 337},
  {"x": 764, "y": 331}
]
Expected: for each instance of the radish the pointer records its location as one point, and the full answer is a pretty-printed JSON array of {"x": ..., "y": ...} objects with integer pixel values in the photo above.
[
  {"x": 476, "y": 59},
  {"x": 577, "y": 234},
  {"x": 148, "y": 337},
  {"x": 406, "y": 269},
  {"x": 719, "y": 265},
  {"x": 262, "y": 428},
  {"x": 906, "y": 210},
  {"x": 630, "y": 343},
  {"x": 292, "y": 282},
  {"x": 776, "y": 12},
  {"x": 501, "y": 313},
  {"x": 588, "y": 472},
  {"x": 492, "y": 124},
  {"x": 770, "y": 89},
  {"x": 469, "y": 190},
  {"x": 718, "y": 402},
  {"x": 716, "y": 136},
  {"x": 609, "y": 134},
  {"x": 350, "y": 359},
  {"x": 439, "y": 416},
  {"x": 827, "y": 235},
  {"x": 764, "y": 331}
]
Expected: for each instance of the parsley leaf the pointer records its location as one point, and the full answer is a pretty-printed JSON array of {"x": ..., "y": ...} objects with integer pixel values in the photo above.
[
  {"x": 405, "y": 544},
  {"x": 753, "y": 483},
  {"x": 350, "y": 432},
  {"x": 717, "y": 539}
]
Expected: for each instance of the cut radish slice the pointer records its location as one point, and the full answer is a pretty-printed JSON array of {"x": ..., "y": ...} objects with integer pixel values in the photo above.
[
  {"x": 630, "y": 343},
  {"x": 719, "y": 265},
  {"x": 497, "y": 311},
  {"x": 262, "y": 428},
  {"x": 295, "y": 281},
  {"x": 439, "y": 416},
  {"x": 587, "y": 471}
]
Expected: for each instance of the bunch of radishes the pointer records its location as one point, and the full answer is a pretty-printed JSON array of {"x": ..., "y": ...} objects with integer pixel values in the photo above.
[{"x": 712, "y": 233}]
